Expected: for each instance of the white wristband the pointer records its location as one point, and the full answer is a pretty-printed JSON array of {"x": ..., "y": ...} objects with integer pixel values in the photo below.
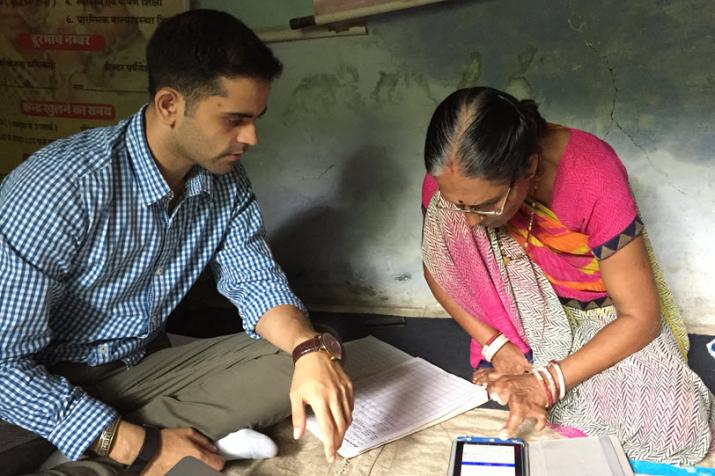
[{"x": 488, "y": 351}]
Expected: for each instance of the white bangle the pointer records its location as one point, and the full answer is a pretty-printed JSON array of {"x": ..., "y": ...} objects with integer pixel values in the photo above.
[
  {"x": 560, "y": 376},
  {"x": 491, "y": 349},
  {"x": 549, "y": 382}
]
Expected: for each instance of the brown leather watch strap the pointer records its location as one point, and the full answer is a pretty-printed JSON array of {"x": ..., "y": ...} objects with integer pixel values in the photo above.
[{"x": 306, "y": 347}]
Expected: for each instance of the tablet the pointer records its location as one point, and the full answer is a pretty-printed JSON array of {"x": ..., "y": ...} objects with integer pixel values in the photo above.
[{"x": 475, "y": 456}]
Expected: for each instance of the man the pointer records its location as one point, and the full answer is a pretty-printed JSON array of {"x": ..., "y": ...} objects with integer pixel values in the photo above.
[{"x": 103, "y": 233}]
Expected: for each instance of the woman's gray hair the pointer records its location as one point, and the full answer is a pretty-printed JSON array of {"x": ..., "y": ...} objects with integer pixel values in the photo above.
[{"x": 483, "y": 133}]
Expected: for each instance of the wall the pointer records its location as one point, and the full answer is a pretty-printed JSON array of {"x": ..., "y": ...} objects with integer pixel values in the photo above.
[{"x": 339, "y": 167}]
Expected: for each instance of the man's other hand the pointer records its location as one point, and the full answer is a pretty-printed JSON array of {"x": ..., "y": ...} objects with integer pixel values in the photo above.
[{"x": 175, "y": 444}]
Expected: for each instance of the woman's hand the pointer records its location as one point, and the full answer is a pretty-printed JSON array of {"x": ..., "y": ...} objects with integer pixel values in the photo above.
[
  {"x": 508, "y": 360},
  {"x": 522, "y": 393}
]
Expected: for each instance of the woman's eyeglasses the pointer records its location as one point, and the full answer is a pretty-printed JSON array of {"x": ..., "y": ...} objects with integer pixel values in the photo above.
[{"x": 487, "y": 210}]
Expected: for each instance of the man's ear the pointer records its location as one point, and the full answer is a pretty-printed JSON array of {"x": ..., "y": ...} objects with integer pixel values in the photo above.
[{"x": 169, "y": 105}]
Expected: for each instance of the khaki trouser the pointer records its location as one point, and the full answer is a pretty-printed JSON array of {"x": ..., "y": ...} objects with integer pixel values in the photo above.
[{"x": 216, "y": 386}]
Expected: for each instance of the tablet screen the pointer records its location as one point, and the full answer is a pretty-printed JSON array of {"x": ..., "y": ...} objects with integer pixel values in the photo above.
[{"x": 488, "y": 459}]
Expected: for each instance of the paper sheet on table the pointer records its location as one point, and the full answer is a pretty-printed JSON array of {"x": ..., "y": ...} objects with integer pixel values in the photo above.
[
  {"x": 370, "y": 356},
  {"x": 401, "y": 399}
]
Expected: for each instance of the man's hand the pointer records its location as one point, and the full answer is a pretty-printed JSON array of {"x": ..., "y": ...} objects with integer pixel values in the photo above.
[
  {"x": 179, "y": 443},
  {"x": 322, "y": 384},
  {"x": 317, "y": 380},
  {"x": 174, "y": 446}
]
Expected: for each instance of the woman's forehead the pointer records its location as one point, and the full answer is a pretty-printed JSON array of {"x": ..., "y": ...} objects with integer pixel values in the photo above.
[{"x": 471, "y": 191}]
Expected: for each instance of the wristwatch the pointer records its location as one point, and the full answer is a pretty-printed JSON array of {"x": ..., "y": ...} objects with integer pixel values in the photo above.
[{"x": 324, "y": 342}]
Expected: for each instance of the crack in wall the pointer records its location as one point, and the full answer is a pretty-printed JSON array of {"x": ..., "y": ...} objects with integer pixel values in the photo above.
[
  {"x": 325, "y": 171},
  {"x": 614, "y": 121},
  {"x": 614, "y": 85}
]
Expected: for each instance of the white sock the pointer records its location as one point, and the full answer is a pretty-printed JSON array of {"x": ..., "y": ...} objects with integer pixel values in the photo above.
[{"x": 246, "y": 444}]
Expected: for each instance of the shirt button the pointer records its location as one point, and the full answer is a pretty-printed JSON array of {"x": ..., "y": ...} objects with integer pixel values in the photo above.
[
  {"x": 159, "y": 270},
  {"x": 103, "y": 349}
]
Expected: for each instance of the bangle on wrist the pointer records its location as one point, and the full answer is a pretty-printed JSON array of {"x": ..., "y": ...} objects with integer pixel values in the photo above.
[
  {"x": 497, "y": 342},
  {"x": 540, "y": 379},
  {"x": 551, "y": 383},
  {"x": 560, "y": 377},
  {"x": 152, "y": 441},
  {"x": 103, "y": 445},
  {"x": 491, "y": 339}
]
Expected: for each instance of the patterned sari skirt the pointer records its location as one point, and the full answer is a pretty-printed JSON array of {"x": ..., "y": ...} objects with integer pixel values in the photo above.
[{"x": 656, "y": 406}]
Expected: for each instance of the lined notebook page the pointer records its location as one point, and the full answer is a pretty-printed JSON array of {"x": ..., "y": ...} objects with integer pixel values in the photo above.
[
  {"x": 369, "y": 356},
  {"x": 402, "y": 399}
]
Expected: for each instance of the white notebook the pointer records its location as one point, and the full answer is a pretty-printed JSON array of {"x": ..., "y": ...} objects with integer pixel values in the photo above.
[{"x": 397, "y": 394}]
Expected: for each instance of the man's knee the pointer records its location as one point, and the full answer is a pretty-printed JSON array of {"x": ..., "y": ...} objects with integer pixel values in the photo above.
[{"x": 86, "y": 467}]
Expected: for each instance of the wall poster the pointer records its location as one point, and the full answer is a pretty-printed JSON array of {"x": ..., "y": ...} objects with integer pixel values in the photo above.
[{"x": 70, "y": 65}]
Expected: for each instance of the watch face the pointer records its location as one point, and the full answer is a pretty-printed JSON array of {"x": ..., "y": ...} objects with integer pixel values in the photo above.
[{"x": 332, "y": 345}]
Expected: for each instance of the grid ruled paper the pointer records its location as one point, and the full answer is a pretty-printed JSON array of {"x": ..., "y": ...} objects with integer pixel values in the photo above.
[
  {"x": 401, "y": 400},
  {"x": 369, "y": 356}
]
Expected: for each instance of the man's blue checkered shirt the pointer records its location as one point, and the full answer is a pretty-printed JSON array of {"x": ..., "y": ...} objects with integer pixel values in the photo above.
[{"x": 91, "y": 265}]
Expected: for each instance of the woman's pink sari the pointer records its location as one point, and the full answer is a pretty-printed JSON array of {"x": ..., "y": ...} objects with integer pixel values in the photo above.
[{"x": 656, "y": 406}]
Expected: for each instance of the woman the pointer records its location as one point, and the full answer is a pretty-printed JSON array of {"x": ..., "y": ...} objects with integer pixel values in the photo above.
[{"x": 532, "y": 242}]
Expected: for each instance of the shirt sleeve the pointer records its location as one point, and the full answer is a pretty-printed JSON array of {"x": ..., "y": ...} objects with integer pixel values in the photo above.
[
  {"x": 245, "y": 270},
  {"x": 39, "y": 232}
]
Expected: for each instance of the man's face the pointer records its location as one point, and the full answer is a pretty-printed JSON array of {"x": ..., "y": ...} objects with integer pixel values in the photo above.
[{"x": 219, "y": 129}]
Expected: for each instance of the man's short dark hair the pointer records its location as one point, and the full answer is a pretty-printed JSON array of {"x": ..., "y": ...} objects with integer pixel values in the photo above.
[{"x": 191, "y": 51}]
